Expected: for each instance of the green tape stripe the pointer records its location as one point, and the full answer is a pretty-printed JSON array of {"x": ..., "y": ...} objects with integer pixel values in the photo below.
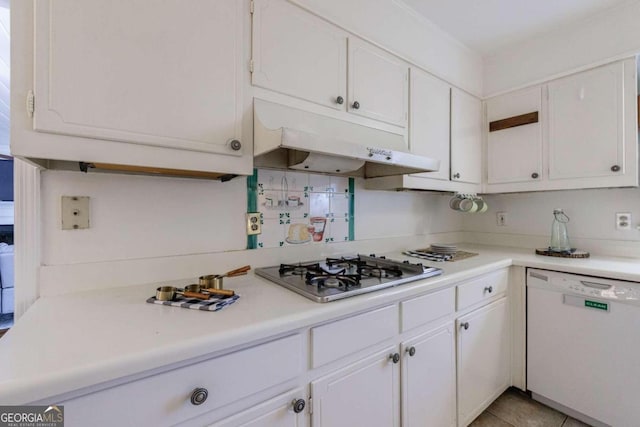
[
  {"x": 252, "y": 204},
  {"x": 352, "y": 192}
]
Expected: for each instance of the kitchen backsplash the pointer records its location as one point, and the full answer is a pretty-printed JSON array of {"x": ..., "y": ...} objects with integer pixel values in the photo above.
[{"x": 298, "y": 208}]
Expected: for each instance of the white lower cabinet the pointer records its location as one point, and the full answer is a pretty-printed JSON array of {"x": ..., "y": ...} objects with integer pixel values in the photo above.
[
  {"x": 362, "y": 394},
  {"x": 390, "y": 366},
  {"x": 366, "y": 393},
  {"x": 429, "y": 379},
  {"x": 483, "y": 358},
  {"x": 177, "y": 395},
  {"x": 285, "y": 410}
]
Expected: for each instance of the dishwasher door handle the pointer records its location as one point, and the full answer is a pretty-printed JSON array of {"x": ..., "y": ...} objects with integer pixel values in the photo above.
[{"x": 595, "y": 285}]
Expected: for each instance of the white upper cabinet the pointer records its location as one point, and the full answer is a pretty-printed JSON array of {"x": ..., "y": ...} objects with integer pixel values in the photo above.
[
  {"x": 378, "y": 84},
  {"x": 514, "y": 154},
  {"x": 466, "y": 137},
  {"x": 586, "y": 137},
  {"x": 446, "y": 124},
  {"x": 429, "y": 121},
  {"x": 298, "y": 54},
  {"x": 143, "y": 72}
]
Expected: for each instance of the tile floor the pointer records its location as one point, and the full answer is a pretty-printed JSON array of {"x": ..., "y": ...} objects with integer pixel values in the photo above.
[{"x": 516, "y": 409}]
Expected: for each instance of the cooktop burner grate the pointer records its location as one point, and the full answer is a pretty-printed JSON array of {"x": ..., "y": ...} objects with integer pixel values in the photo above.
[
  {"x": 339, "y": 280},
  {"x": 340, "y": 277},
  {"x": 299, "y": 269}
]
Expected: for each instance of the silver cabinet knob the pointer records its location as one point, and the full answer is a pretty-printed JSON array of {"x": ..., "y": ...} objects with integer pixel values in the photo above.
[
  {"x": 394, "y": 357},
  {"x": 488, "y": 289},
  {"x": 535, "y": 175},
  {"x": 199, "y": 396},
  {"x": 340, "y": 100},
  {"x": 355, "y": 105},
  {"x": 456, "y": 176},
  {"x": 235, "y": 145},
  {"x": 615, "y": 168},
  {"x": 298, "y": 405},
  {"x": 464, "y": 325},
  {"x": 412, "y": 351}
]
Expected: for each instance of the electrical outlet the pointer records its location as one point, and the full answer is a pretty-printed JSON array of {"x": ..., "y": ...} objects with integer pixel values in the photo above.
[
  {"x": 75, "y": 212},
  {"x": 253, "y": 223},
  {"x": 623, "y": 221},
  {"x": 501, "y": 219}
]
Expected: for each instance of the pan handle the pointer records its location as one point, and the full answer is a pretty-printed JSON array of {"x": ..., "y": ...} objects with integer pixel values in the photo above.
[
  {"x": 238, "y": 271},
  {"x": 223, "y": 292},
  {"x": 195, "y": 295}
]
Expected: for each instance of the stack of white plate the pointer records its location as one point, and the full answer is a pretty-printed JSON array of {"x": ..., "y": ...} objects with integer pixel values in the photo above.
[{"x": 442, "y": 248}]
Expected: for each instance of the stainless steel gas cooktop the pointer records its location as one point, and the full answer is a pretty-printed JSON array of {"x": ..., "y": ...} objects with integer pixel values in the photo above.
[{"x": 337, "y": 278}]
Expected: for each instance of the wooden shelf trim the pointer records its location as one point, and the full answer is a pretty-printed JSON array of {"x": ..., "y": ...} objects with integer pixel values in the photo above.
[
  {"x": 511, "y": 122},
  {"x": 85, "y": 167}
]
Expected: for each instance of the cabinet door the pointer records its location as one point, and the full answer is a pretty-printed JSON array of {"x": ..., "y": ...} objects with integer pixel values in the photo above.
[
  {"x": 483, "y": 358},
  {"x": 277, "y": 412},
  {"x": 466, "y": 137},
  {"x": 363, "y": 394},
  {"x": 429, "y": 121},
  {"x": 298, "y": 54},
  {"x": 378, "y": 84},
  {"x": 515, "y": 154},
  {"x": 586, "y": 133},
  {"x": 429, "y": 380},
  {"x": 147, "y": 72}
]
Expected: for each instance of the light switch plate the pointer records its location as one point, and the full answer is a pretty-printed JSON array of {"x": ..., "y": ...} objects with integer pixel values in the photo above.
[{"x": 75, "y": 212}]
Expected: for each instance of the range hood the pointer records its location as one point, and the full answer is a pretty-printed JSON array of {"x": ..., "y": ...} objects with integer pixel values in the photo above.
[{"x": 288, "y": 138}]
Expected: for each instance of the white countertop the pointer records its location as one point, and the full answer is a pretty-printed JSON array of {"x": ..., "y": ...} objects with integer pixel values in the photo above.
[{"x": 65, "y": 343}]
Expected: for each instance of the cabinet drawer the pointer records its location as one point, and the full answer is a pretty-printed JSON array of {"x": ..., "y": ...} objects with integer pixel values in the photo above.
[
  {"x": 164, "y": 399},
  {"x": 335, "y": 340},
  {"x": 422, "y": 310},
  {"x": 482, "y": 288}
]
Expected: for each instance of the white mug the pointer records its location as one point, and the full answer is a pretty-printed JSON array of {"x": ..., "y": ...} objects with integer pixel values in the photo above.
[
  {"x": 482, "y": 205},
  {"x": 468, "y": 205},
  {"x": 454, "y": 203}
]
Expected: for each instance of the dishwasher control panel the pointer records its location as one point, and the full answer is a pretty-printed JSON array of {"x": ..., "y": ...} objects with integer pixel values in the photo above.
[{"x": 595, "y": 287}]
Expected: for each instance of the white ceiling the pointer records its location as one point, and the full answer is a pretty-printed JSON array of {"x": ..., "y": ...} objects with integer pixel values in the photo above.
[{"x": 489, "y": 25}]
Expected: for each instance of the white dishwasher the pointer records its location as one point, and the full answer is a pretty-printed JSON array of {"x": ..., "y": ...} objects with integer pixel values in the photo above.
[{"x": 583, "y": 346}]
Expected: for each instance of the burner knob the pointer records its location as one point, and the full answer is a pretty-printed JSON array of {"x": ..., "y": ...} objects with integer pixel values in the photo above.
[
  {"x": 383, "y": 257},
  {"x": 406, "y": 261},
  {"x": 372, "y": 255}
]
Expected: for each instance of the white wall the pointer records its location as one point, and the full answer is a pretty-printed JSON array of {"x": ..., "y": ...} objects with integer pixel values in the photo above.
[
  {"x": 610, "y": 35},
  {"x": 147, "y": 217},
  {"x": 396, "y": 27},
  {"x": 592, "y": 214},
  {"x": 389, "y": 214}
]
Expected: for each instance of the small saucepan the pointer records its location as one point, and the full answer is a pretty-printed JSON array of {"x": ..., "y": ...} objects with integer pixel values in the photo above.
[
  {"x": 214, "y": 281},
  {"x": 168, "y": 293}
]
